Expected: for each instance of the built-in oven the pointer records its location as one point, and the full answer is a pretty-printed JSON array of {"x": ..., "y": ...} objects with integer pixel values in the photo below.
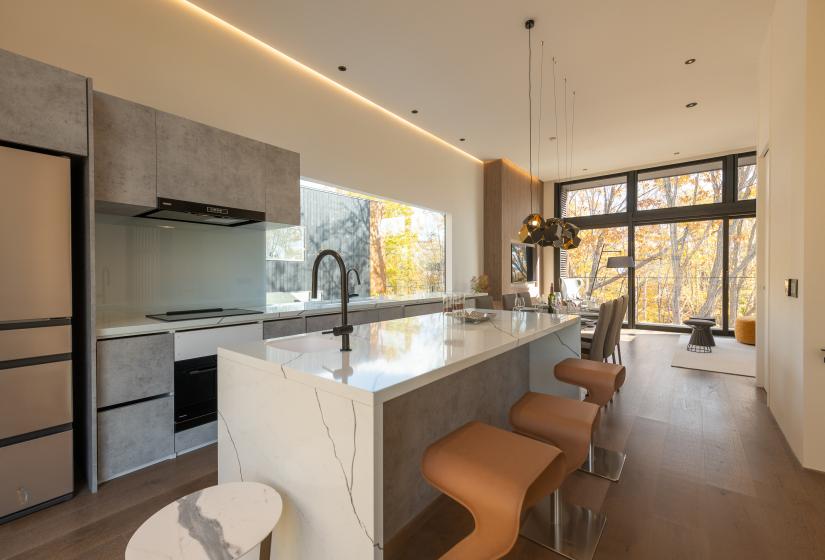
[
  {"x": 196, "y": 380},
  {"x": 196, "y": 392}
]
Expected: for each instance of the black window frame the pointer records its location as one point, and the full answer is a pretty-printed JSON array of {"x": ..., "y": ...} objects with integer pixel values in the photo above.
[{"x": 730, "y": 208}]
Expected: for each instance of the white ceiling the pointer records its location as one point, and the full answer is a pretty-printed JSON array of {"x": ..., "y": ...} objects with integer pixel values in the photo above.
[{"x": 463, "y": 65}]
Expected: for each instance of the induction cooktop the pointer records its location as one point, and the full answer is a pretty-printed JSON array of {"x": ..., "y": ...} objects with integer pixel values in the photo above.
[{"x": 210, "y": 313}]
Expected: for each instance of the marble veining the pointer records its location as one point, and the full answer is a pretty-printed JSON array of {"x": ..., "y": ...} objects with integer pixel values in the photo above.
[
  {"x": 206, "y": 530},
  {"x": 222, "y": 522},
  {"x": 577, "y": 354}
]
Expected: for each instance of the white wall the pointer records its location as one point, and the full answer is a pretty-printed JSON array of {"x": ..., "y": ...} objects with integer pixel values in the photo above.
[
  {"x": 162, "y": 53},
  {"x": 791, "y": 123}
]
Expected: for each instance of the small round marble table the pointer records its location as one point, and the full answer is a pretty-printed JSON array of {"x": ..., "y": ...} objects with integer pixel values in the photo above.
[{"x": 221, "y": 522}]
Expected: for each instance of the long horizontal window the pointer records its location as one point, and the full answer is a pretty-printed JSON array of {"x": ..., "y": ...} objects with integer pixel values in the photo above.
[{"x": 396, "y": 248}]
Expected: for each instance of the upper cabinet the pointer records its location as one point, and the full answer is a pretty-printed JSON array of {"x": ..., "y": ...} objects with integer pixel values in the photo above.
[
  {"x": 143, "y": 154},
  {"x": 125, "y": 162},
  {"x": 42, "y": 106}
]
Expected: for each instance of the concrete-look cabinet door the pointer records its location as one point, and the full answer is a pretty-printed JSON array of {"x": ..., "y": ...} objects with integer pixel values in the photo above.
[
  {"x": 42, "y": 106},
  {"x": 189, "y": 162},
  {"x": 134, "y": 368},
  {"x": 390, "y": 313},
  {"x": 422, "y": 309},
  {"x": 134, "y": 436},
  {"x": 284, "y": 327},
  {"x": 317, "y": 323},
  {"x": 125, "y": 158},
  {"x": 362, "y": 317},
  {"x": 200, "y": 163},
  {"x": 283, "y": 190}
]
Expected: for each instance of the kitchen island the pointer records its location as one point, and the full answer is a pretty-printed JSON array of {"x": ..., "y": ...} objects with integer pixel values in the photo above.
[{"x": 340, "y": 435}]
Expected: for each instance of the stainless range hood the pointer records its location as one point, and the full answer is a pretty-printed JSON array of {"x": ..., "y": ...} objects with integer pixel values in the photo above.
[{"x": 184, "y": 211}]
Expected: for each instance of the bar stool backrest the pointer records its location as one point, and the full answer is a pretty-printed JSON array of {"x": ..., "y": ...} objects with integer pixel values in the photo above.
[
  {"x": 613, "y": 334},
  {"x": 601, "y": 331},
  {"x": 484, "y": 302},
  {"x": 508, "y": 301}
]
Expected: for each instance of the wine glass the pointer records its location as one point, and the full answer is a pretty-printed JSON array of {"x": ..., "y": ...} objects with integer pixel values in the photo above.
[{"x": 518, "y": 303}]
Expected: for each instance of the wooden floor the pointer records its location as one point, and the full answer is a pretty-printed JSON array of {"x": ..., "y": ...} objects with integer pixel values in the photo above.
[{"x": 708, "y": 475}]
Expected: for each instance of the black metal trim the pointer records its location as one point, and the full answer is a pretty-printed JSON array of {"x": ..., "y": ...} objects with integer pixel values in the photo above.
[
  {"x": 36, "y": 324},
  {"x": 136, "y": 401},
  {"x": 34, "y": 508},
  {"x": 20, "y": 438},
  {"x": 35, "y": 361}
]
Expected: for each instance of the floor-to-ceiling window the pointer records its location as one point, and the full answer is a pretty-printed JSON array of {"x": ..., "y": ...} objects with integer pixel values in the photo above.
[{"x": 690, "y": 229}]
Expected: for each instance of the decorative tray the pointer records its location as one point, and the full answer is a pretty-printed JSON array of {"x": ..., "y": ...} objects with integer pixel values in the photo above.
[{"x": 471, "y": 316}]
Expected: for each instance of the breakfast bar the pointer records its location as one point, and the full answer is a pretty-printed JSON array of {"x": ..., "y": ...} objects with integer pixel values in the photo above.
[{"x": 340, "y": 435}]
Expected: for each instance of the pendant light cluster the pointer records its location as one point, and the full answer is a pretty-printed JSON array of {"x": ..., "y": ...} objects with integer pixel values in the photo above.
[{"x": 552, "y": 232}]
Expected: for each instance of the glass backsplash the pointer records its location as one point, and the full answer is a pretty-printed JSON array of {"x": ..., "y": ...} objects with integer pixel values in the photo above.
[{"x": 149, "y": 266}]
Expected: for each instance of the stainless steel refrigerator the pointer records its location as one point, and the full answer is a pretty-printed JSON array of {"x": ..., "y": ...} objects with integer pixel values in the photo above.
[{"x": 36, "y": 436}]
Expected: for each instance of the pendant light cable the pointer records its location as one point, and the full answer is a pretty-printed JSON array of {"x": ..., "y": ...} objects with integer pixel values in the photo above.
[
  {"x": 566, "y": 134},
  {"x": 573, "y": 135},
  {"x": 530, "y": 103},
  {"x": 556, "y": 118},
  {"x": 541, "y": 96}
]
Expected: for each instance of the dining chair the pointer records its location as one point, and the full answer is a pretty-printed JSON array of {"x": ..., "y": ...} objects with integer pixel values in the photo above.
[
  {"x": 614, "y": 337},
  {"x": 528, "y": 300},
  {"x": 508, "y": 301},
  {"x": 484, "y": 302},
  {"x": 594, "y": 349}
]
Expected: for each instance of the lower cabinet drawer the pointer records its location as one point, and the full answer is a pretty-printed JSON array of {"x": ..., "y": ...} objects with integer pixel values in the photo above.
[
  {"x": 284, "y": 327},
  {"x": 134, "y": 436},
  {"x": 317, "y": 323},
  {"x": 35, "y": 397},
  {"x": 422, "y": 309},
  {"x": 35, "y": 471},
  {"x": 134, "y": 368},
  {"x": 390, "y": 313},
  {"x": 362, "y": 317}
]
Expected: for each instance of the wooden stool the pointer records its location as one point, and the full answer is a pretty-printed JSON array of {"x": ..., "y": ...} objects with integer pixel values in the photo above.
[
  {"x": 567, "y": 424},
  {"x": 496, "y": 475},
  {"x": 224, "y": 521},
  {"x": 602, "y": 381}
]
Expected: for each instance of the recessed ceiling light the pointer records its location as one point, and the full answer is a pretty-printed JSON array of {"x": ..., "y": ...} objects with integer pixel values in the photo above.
[
  {"x": 166, "y": 227},
  {"x": 584, "y": 169},
  {"x": 342, "y": 68},
  {"x": 414, "y": 111},
  {"x": 676, "y": 153},
  {"x": 462, "y": 139},
  {"x": 691, "y": 105},
  {"x": 552, "y": 138},
  {"x": 690, "y": 61}
]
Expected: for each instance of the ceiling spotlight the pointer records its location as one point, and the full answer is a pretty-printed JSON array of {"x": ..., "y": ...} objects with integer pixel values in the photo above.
[
  {"x": 584, "y": 169},
  {"x": 462, "y": 139},
  {"x": 691, "y": 105},
  {"x": 676, "y": 153},
  {"x": 414, "y": 111},
  {"x": 552, "y": 138},
  {"x": 342, "y": 68},
  {"x": 690, "y": 61}
]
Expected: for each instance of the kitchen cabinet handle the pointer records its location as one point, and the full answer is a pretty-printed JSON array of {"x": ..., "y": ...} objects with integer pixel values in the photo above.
[{"x": 200, "y": 371}]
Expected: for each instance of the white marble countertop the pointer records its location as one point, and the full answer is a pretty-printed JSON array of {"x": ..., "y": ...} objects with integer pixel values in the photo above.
[
  {"x": 391, "y": 358},
  {"x": 118, "y": 323}
]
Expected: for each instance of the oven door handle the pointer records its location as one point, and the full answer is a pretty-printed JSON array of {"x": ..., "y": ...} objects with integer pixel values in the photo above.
[{"x": 200, "y": 371}]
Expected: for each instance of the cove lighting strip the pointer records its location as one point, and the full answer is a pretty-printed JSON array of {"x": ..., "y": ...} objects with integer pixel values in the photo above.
[{"x": 212, "y": 18}]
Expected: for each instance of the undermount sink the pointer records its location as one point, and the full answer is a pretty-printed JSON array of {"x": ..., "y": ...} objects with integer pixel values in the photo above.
[{"x": 307, "y": 344}]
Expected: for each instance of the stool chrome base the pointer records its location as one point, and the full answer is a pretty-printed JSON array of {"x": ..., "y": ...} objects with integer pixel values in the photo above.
[
  {"x": 604, "y": 463},
  {"x": 567, "y": 529}
]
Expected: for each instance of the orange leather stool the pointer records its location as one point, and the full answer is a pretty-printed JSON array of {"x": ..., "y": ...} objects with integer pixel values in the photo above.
[
  {"x": 496, "y": 475},
  {"x": 567, "y": 424},
  {"x": 601, "y": 380}
]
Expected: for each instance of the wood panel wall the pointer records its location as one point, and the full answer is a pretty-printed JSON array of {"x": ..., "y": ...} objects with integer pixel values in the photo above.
[{"x": 506, "y": 204}]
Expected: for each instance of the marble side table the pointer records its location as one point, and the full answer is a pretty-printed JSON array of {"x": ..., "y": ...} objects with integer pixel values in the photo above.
[{"x": 221, "y": 522}]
